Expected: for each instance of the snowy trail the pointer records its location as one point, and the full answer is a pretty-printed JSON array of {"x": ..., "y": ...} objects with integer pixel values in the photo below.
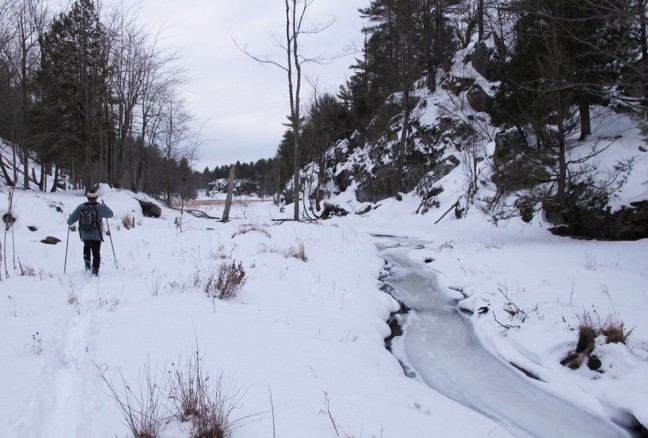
[
  {"x": 72, "y": 371},
  {"x": 439, "y": 345}
]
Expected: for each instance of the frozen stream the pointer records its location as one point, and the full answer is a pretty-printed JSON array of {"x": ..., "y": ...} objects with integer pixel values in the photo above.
[{"x": 442, "y": 350}]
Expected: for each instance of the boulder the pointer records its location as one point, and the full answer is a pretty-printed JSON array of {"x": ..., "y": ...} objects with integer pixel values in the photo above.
[
  {"x": 444, "y": 167},
  {"x": 50, "y": 240},
  {"x": 381, "y": 185},
  {"x": 628, "y": 223},
  {"x": 343, "y": 179},
  {"x": 150, "y": 209},
  {"x": 480, "y": 58},
  {"x": 478, "y": 99}
]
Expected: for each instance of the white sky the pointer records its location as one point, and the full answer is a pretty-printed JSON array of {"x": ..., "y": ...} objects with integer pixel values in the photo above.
[{"x": 240, "y": 103}]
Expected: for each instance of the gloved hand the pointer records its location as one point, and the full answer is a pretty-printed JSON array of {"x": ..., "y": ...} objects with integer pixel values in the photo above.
[{"x": 72, "y": 227}]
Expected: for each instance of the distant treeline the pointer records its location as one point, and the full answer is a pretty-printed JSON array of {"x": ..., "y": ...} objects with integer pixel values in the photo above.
[{"x": 261, "y": 177}]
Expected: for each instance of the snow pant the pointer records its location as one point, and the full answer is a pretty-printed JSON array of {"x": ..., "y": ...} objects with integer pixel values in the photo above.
[{"x": 92, "y": 248}]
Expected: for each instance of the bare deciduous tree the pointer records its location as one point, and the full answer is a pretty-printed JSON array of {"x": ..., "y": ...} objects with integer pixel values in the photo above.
[
  {"x": 295, "y": 28},
  {"x": 144, "y": 76},
  {"x": 22, "y": 23},
  {"x": 174, "y": 134},
  {"x": 128, "y": 58}
]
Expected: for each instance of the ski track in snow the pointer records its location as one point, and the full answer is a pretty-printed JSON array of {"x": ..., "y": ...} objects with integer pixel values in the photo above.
[{"x": 71, "y": 369}]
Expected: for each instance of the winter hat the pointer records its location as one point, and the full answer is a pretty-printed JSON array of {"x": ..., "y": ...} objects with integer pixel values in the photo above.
[{"x": 93, "y": 193}]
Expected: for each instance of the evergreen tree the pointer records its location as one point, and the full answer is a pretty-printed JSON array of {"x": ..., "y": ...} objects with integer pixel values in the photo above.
[
  {"x": 395, "y": 51},
  {"x": 585, "y": 43},
  {"x": 71, "y": 114},
  {"x": 185, "y": 181},
  {"x": 566, "y": 57},
  {"x": 285, "y": 158},
  {"x": 327, "y": 122}
]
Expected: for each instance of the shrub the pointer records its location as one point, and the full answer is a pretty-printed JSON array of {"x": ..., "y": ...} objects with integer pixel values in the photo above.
[
  {"x": 212, "y": 419},
  {"x": 189, "y": 395},
  {"x": 206, "y": 402},
  {"x": 225, "y": 285},
  {"x": 187, "y": 386}
]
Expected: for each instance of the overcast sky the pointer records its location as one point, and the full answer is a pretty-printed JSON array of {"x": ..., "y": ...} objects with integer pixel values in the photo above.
[{"x": 240, "y": 103}]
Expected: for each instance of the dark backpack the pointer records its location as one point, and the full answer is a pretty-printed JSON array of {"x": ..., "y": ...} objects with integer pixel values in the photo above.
[{"x": 88, "y": 217}]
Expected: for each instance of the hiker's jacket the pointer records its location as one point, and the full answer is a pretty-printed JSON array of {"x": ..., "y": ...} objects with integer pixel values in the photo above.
[{"x": 97, "y": 234}]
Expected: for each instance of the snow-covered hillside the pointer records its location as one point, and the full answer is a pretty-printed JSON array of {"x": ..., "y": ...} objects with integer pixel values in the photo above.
[{"x": 504, "y": 168}]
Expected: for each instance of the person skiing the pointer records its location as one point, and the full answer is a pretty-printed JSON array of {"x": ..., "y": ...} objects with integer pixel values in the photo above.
[{"x": 90, "y": 215}]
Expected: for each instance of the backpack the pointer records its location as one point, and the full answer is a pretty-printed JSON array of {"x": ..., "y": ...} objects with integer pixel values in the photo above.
[{"x": 88, "y": 217}]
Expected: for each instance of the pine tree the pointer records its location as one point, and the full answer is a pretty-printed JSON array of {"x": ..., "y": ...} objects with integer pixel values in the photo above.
[
  {"x": 567, "y": 57},
  {"x": 590, "y": 40},
  {"x": 72, "y": 89}
]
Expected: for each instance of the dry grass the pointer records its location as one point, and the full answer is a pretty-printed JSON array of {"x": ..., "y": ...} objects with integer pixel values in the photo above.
[
  {"x": 206, "y": 402},
  {"x": 298, "y": 252},
  {"x": 187, "y": 395},
  {"x": 218, "y": 202},
  {"x": 589, "y": 329},
  {"x": 72, "y": 298},
  {"x": 143, "y": 410},
  {"x": 37, "y": 344},
  {"x": 244, "y": 229},
  {"x": 615, "y": 332},
  {"x": 26, "y": 271},
  {"x": 128, "y": 222}
]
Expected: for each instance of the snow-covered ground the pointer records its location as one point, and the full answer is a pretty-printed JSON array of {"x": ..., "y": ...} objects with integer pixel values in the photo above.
[
  {"x": 301, "y": 347},
  {"x": 302, "y": 342}
]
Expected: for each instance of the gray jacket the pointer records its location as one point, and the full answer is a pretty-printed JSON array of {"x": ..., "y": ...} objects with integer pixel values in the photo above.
[{"x": 97, "y": 234}]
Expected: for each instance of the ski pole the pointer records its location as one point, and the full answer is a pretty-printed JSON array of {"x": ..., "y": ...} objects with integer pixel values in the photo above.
[
  {"x": 67, "y": 241},
  {"x": 111, "y": 241}
]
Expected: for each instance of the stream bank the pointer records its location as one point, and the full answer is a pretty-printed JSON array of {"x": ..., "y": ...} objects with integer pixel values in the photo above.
[{"x": 436, "y": 345}]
